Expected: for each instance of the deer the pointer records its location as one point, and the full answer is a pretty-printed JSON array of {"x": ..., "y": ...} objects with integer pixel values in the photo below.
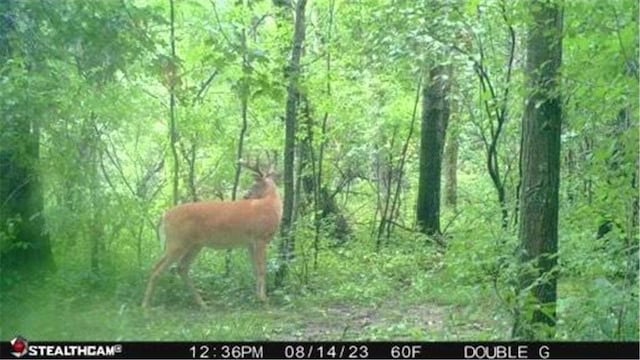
[{"x": 251, "y": 222}]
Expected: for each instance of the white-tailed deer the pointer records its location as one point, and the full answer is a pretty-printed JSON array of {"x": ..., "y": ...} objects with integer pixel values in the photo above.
[{"x": 250, "y": 222}]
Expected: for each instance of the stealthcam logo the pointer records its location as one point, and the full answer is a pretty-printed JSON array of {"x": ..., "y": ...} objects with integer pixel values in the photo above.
[{"x": 19, "y": 346}]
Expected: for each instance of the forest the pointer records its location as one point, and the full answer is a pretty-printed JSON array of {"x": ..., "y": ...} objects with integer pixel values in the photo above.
[{"x": 435, "y": 170}]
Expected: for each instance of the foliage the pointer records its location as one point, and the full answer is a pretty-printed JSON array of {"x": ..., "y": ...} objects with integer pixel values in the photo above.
[{"x": 93, "y": 76}]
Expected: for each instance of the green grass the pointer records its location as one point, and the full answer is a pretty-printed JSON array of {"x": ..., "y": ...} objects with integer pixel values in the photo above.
[
  {"x": 386, "y": 296},
  {"x": 408, "y": 292}
]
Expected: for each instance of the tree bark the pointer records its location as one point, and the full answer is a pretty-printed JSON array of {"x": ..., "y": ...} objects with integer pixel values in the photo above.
[
  {"x": 173, "y": 130},
  {"x": 451, "y": 170},
  {"x": 538, "y": 226},
  {"x": 25, "y": 246},
  {"x": 435, "y": 117},
  {"x": 243, "y": 94},
  {"x": 288, "y": 242},
  {"x": 395, "y": 205}
]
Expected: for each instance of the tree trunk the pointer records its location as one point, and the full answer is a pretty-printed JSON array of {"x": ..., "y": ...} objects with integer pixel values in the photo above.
[
  {"x": 288, "y": 242},
  {"x": 243, "y": 93},
  {"x": 451, "y": 152},
  {"x": 395, "y": 205},
  {"x": 89, "y": 162},
  {"x": 173, "y": 130},
  {"x": 435, "y": 116},
  {"x": 25, "y": 246},
  {"x": 538, "y": 226},
  {"x": 451, "y": 170},
  {"x": 22, "y": 211},
  {"x": 307, "y": 155}
]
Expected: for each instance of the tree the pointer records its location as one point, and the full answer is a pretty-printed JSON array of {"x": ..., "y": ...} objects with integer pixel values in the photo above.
[
  {"x": 451, "y": 149},
  {"x": 435, "y": 117},
  {"x": 540, "y": 166},
  {"x": 288, "y": 242},
  {"x": 173, "y": 130},
  {"x": 451, "y": 170},
  {"x": 24, "y": 242}
]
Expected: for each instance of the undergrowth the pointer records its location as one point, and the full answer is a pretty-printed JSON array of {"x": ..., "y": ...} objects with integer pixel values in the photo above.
[{"x": 409, "y": 292}]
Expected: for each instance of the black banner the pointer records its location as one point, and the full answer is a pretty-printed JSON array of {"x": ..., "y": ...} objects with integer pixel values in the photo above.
[{"x": 22, "y": 348}]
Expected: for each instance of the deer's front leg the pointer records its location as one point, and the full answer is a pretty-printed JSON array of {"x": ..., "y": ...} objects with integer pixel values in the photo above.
[{"x": 260, "y": 268}]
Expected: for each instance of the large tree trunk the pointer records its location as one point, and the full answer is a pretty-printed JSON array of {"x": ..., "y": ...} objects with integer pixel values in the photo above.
[
  {"x": 288, "y": 242},
  {"x": 435, "y": 116},
  {"x": 451, "y": 152},
  {"x": 25, "y": 244},
  {"x": 451, "y": 170},
  {"x": 538, "y": 226}
]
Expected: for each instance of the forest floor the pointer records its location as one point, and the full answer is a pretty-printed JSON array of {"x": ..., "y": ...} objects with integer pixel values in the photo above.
[
  {"x": 448, "y": 312},
  {"x": 404, "y": 294},
  {"x": 63, "y": 313},
  {"x": 411, "y": 296},
  {"x": 349, "y": 321},
  {"x": 405, "y": 291},
  {"x": 338, "y": 321}
]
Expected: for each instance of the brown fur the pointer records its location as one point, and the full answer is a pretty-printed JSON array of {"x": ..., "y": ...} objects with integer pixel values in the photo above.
[{"x": 251, "y": 222}]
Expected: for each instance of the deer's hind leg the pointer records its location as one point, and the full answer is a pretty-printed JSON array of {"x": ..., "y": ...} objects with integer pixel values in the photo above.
[
  {"x": 183, "y": 270},
  {"x": 162, "y": 265}
]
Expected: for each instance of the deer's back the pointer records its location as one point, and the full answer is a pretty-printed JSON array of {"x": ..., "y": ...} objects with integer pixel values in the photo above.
[{"x": 224, "y": 224}]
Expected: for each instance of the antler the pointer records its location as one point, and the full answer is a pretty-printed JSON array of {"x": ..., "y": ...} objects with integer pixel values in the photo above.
[
  {"x": 258, "y": 169},
  {"x": 273, "y": 162},
  {"x": 255, "y": 167}
]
